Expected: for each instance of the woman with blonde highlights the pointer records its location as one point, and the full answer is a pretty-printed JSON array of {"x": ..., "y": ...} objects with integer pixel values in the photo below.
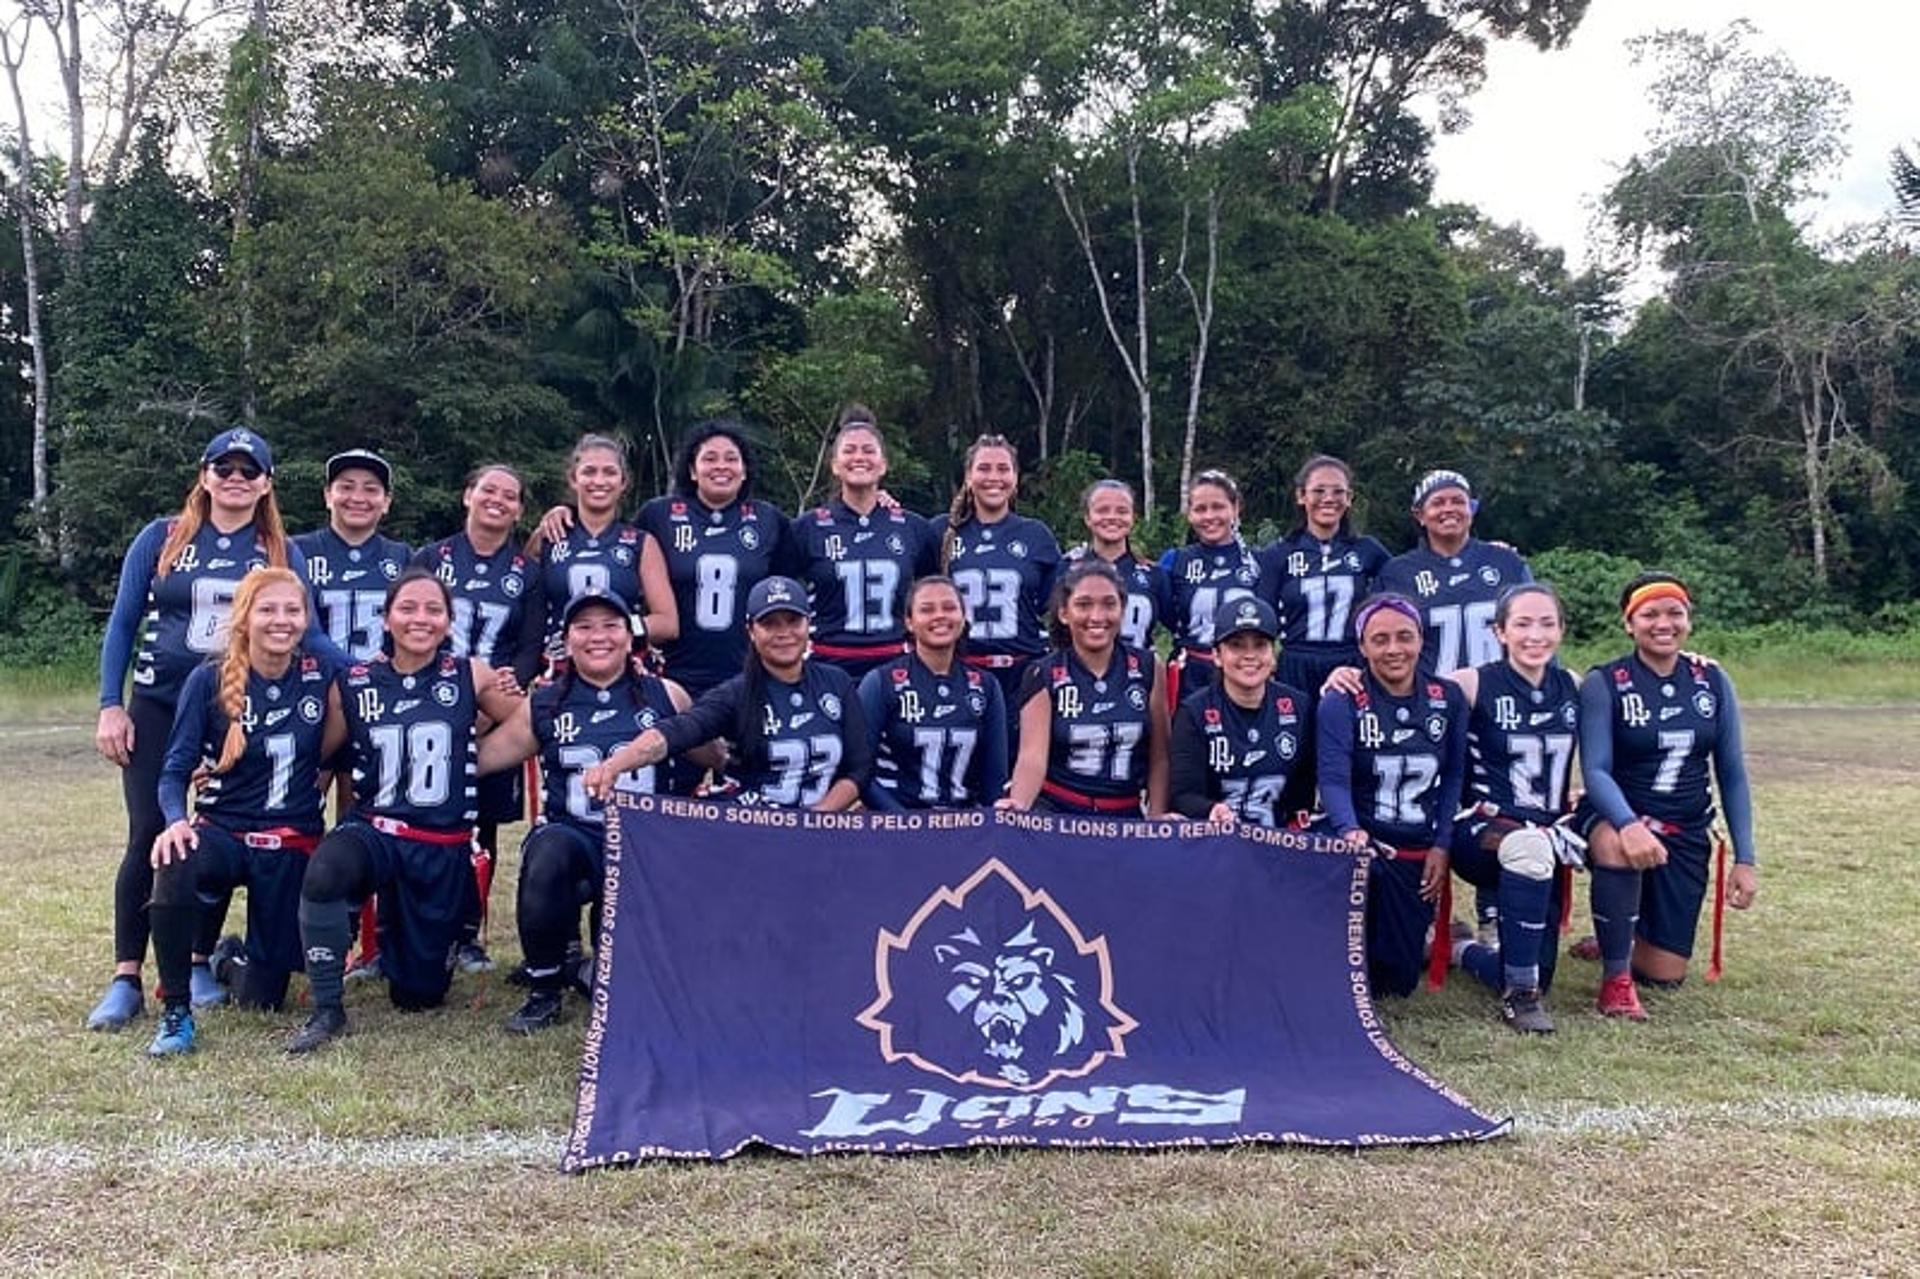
[
  {"x": 170, "y": 612},
  {"x": 252, "y": 731}
]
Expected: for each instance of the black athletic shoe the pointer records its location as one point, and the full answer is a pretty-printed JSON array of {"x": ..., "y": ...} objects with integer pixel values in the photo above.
[
  {"x": 540, "y": 1012},
  {"x": 1522, "y": 1010},
  {"x": 325, "y": 1025},
  {"x": 580, "y": 976}
]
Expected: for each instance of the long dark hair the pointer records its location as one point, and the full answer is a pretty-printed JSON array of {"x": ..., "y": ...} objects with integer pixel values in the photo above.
[
  {"x": 1226, "y": 484},
  {"x": 1320, "y": 462},
  {"x": 1063, "y": 587},
  {"x": 408, "y": 576},
  {"x": 684, "y": 484}
]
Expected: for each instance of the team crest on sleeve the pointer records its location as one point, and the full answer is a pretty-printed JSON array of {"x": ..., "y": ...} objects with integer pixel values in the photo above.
[
  {"x": 390, "y": 569},
  {"x": 992, "y": 983},
  {"x": 830, "y": 706},
  {"x": 310, "y": 710},
  {"x": 1703, "y": 703},
  {"x": 1490, "y": 575},
  {"x": 511, "y": 585},
  {"x": 1137, "y": 698},
  {"x": 749, "y": 538},
  {"x": 445, "y": 693}
]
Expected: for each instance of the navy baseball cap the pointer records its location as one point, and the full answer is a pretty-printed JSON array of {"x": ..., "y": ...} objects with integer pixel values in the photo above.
[
  {"x": 360, "y": 460},
  {"x": 242, "y": 441},
  {"x": 777, "y": 595},
  {"x": 1245, "y": 614},
  {"x": 591, "y": 598}
]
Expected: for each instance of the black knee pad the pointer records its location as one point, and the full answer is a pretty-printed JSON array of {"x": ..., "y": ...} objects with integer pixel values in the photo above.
[
  {"x": 263, "y": 987},
  {"x": 408, "y": 1000}
]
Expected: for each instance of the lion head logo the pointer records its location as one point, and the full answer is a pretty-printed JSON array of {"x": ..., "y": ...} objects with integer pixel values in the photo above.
[{"x": 992, "y": 983}]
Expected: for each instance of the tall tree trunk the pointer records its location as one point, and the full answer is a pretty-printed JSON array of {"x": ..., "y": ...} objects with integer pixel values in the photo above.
[
  {"x": 1202, "y": 303},
  {"x": 30, "y": 262},
  {"x": 1141, "y": 384}
]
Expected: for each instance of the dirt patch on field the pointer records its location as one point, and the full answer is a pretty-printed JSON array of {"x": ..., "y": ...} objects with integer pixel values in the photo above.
[{"x": 1786, "y": 743}]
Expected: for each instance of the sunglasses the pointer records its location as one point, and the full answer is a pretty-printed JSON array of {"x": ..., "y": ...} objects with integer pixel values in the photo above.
[{"x": 227, "y": 468}]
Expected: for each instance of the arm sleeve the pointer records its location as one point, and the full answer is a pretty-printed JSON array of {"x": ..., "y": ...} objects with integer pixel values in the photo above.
[
  {"x": 873, "y": 707},
  {"x": 1333, "y": 743},
  {"x": 994, "y": 766},
  {"x": 1730, "y": 771},
  {"x": 183, "y": 744},
  {"x": 129, "y": 600},
  {"x": 1453, "y": 772},
  {"x": 714, "y": 715},
  {"x": 316, "y": 640},
  {"x": 1596, "y": 752},
  {"x": 1187, "y": 770},
  {"x": 856, "y": 755}
]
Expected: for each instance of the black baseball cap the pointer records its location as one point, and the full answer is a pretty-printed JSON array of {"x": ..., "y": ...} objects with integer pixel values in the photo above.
[
  {"x": 360, "y": 460},
  {"x": 1245, "y": 614},
  {"x": 590, "y": 599}
]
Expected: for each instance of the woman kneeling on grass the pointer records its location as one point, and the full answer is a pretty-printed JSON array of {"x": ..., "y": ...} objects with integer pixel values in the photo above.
[
  {"x": 252, "y": 731},
  {"x": 1650, "y": 723},
  {"x": 410, "y": 717},
  {"x": 1391, "y": 759},
  {"x": 794, "y": 726},
  {"x": 1093, "y": 713},
  {"x": 590, "y": 710}
]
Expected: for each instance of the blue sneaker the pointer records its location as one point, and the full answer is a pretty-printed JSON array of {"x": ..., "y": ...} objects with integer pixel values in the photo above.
[
  {"x": 175, "y": 1037},
  {"x": 121, "y": 1004},
  {"x": 204, "y": 989}
]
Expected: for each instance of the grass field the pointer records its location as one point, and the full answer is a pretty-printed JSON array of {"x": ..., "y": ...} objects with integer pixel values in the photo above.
[{"x": 1771, "y": 1123}]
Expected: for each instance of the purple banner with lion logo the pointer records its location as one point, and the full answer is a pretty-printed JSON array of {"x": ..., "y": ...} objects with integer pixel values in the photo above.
[{"x": 895, "y": 982}]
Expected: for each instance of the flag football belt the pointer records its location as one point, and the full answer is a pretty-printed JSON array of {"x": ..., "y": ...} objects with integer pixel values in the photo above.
[
  {"x": 996, "y": 661},
  {"x": 1197, "y": 655},
  {"x": 1098, "y": 803},
  {"x": 420, "y": 834},
  {"x": 1716, "y": 961},
  {"x": 859, "y": 652},
  {"x": 277, "y": 837},
  {"x": 1176, "y": 672}
]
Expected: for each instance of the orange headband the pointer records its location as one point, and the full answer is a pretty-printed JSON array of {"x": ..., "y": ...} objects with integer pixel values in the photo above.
[{"x": 1656, "y": 591}]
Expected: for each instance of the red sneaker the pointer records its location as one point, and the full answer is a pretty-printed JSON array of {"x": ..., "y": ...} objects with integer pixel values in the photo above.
[{"x": 1618, "y": 998}]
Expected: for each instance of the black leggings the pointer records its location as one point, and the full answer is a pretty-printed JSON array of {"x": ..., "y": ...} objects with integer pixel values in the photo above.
[
  {"x": 560, "y": 871},
  {"x": 178, "y": 911},
  {"x": 140, "y": 788}
]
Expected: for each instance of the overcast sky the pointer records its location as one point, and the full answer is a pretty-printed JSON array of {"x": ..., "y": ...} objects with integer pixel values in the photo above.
[{"x": 1550, "y": 129}]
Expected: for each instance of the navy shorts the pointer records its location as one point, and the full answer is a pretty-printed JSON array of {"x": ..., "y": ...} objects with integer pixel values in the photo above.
[
  {"x": 1670, "y": 895},
  {"x": 1397, "y": 925},
  {"x": 422, "y": 890},
  {"x": 499, "y": 797},
  {"x": 272, "y": 878},
  {"x": 1308, "y": 671}
]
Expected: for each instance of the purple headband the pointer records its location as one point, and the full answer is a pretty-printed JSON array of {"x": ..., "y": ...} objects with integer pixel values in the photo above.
[{"x": 1387, "y": 603}]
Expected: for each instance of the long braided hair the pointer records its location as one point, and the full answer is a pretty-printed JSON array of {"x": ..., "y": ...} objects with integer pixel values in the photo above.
[
  {"x": 238, "y": 661},
  {"x": 962, "y": 509}
]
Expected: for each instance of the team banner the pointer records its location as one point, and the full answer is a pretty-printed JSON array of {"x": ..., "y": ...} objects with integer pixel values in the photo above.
[{"x": 897, "y": 982}]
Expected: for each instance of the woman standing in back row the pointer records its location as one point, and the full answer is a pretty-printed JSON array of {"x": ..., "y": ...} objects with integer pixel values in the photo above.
[{"x": 176, "y": 591}]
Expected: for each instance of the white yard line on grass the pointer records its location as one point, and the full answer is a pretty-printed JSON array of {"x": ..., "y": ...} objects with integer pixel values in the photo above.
[
  {"x": 44, "y": 730},
  {"x": 542, "y": 1148}
]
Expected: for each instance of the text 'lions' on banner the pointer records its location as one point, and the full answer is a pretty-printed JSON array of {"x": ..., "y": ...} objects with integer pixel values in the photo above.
[{"x": 895, "y": 982}]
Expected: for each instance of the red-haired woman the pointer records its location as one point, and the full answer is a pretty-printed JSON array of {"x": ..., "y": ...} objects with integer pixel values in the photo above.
[{"x": 176, "y": 590}]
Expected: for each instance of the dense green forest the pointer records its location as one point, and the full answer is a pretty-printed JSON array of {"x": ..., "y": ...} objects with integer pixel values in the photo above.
[{"x": 1137, "y": 238}]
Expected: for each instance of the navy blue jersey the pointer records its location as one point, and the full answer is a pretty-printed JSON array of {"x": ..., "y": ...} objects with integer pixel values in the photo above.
[
  {"x": 1200, "y": 578},
  {"x": 1520, "y": 742},
  {"x": 1224, "y": 753},
  {"x": 1393, "y": 766},
  {"x": 350, "y": 583},
  {"x": 939, "y": 741},
  {"x": 276, "y": 780},
  {"x": 713, "y": 560},
  {"x": 1456, "y": 595},
  {"x": 187, "y": 610},
  {"x": 578, "y": 724},
  {"x": 812, "y": 734},
  {"x": 1004, "y": 571},
  {"x": 857, "y": 569},
  {"x": 1149, "y": 602},
  {"x": 606, "y": 561},
  {"x": 1314, "y": 586},
  {"x": 1664, "y": 732},
  {"x": 1099, "y": 724},
  {"x": 411, "y": 741},
  {"x": 489, "y": 596}
]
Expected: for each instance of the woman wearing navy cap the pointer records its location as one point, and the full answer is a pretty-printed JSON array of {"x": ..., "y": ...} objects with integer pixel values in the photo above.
[
  {"x": 170, "y": 614},
  {"x": 1238, "y": 742},
  {"x": 794, "y": 727}
]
